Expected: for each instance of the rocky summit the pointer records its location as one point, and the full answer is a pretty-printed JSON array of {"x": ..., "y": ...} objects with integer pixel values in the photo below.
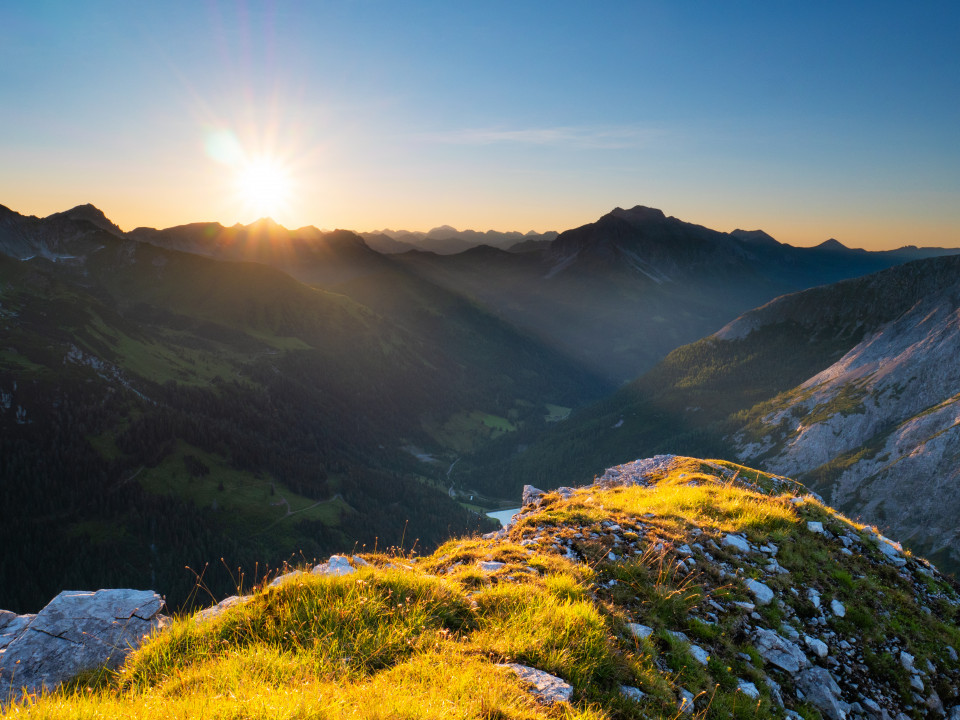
[{"x": 669, "y": 587}]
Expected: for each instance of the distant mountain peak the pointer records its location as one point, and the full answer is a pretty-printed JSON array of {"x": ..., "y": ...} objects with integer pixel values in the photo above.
[
  {"x": 831, "y": 244},
  {"x": 754, "y": 237},
  {"x": 638, "y": 214},
  {"x": 92, "y": 214},
  {"x": 266, "y": 223}
]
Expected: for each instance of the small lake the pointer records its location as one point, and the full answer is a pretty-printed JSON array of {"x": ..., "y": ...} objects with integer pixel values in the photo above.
[{"x": 504, "y": 516}]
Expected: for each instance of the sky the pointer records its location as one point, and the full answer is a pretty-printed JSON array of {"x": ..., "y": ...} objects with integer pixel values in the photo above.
[{"x": 809, "y": 120}]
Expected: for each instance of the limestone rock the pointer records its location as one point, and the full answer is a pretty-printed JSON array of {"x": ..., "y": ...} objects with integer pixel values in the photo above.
[
  {"x": 837, "y": 608},
  {"x": 219, "y": 608},
  {"x": 819, "y": 647},
  {"x": 77, "y": 632},
  {"x": 737, "y": 542},
  {"x": 336, "y": 565},
  {"x": 821, "y": 690},
  {"x": 531, "y": 495},
  {"x": 699, "y": 654},
  {"x": 640, "y": 632},
  {"x": 547, "y": 688},
  {"x": 761, "y": 592},
  {"x": 779, "y": 651},
  {"x": 489, "y": 566},
  {"x": 281, "y": 579}
]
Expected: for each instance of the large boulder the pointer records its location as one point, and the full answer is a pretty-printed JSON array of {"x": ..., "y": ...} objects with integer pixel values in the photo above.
[{"x": 75, "y": 633}]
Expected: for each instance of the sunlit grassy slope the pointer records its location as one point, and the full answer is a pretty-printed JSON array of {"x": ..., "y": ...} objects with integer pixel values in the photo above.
[{"x": 423, "y": 637}]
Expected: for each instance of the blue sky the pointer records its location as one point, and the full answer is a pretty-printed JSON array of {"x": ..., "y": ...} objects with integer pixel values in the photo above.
[{"x": 809, "y": 120}]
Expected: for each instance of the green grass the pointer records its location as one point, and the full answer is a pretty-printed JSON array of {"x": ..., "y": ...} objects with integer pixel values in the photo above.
[
  {"x": 424, "y": 639},
  {"x": 241, "y": 498},
  {"x": 466, "y": 431},
  {"x": 556, "y": 413}
]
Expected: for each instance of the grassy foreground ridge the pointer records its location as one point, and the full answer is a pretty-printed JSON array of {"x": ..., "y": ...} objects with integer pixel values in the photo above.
[{"x": 637, "y": 596}]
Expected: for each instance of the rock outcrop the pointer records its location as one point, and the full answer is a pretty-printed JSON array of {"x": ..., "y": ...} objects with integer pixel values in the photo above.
[
  {"x": 670, "y": 587},
  {"x": 76, "y": 632},
  {"x": 797, "y": 623}
]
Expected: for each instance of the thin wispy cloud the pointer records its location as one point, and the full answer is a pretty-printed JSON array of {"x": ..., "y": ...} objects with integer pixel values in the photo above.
[{"x": 581, "y": 137}]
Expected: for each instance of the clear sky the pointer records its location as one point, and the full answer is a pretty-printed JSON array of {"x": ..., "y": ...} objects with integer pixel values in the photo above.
[{"x": 807, "y": 119}]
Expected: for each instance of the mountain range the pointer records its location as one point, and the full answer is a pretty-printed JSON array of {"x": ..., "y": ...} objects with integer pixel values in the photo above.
[
  {"x": 849, "y": 388},
  {"x": 168, "y": 396}
]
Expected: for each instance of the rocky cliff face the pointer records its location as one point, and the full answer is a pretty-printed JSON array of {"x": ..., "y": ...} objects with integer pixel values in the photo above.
[{"x": 879, "y": 431}]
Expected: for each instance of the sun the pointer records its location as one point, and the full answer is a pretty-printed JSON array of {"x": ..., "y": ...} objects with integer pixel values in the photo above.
[{"x": 264, "y": 186}]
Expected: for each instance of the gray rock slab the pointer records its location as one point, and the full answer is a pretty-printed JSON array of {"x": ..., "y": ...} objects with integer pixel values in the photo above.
[
  {"x": 531, "y": 495},
  {"x": 779, "y": 651},
  {"x": 547, "y": 688},
  {"x": 737, "y": 542},
  {"x": 699, "y": 654},
  {"x": 837, "y": 608},
  {"x": 489, "y": 566},
  {"x": 818, "y": 647},
  {"x": 761, "y": 592},
  {"x": 821, "y": 690},
  {"x": 75, "y": 633}
]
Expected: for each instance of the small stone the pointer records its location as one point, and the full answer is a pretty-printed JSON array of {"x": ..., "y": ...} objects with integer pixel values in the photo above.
[
  {"x": 748, "y": 689},
  {"x": 871, "y": 705},
  {"x": 686, "y": 702},
  {"x": 820, "y": 689},
  {"x": 819, "y": 647},
  {"x": 280, "y": 580},
  {"x": 548, "y": 689},
  {"x": 790, "y": 632},
  {"x": 916, "y": 683},
  {"x": 737, "y": 542},
  {"x": 699, "y": 654},
  {"x": 906, "y": 660},
  {"x": 489, "y": 566},
  {"x": 531, "y": 495},
  {"x": 761, "y": 593},
  {"x": 816, "y": 527},
  {"x": 779, "y": 651},
  {"x": 337, "y": 565},
  {"x": 632, "y": 693},
  {"x": 837, "y": 608},
  {"x": 640, "y": 632},
  {"x": 952, "y": 654},
  {"x": 748, "y": 606}
]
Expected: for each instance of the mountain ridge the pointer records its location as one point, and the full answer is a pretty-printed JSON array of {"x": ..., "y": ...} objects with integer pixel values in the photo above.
[{"x": 670, "y": 586}]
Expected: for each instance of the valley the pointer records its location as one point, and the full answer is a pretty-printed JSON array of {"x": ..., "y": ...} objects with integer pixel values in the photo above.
[{"x": 233, "y": 398}]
